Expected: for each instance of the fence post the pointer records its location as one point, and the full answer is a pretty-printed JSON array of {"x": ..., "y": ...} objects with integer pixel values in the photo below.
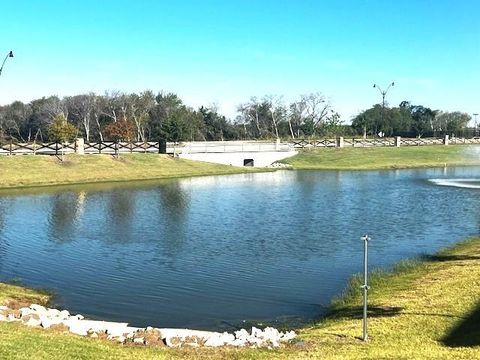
[
  {"x": 340, "y": 142},
  {"x": 445, "y": 140},
  {"x": 79, "y": 146},
  {"x": 398, "y": 141}
]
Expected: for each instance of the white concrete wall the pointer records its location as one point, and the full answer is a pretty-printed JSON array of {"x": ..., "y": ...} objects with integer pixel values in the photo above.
[{"x": 260, "y": 158}]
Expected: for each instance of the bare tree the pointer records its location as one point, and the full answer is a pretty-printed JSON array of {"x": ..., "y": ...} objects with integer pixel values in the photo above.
[{"x": 81, "y": 107}]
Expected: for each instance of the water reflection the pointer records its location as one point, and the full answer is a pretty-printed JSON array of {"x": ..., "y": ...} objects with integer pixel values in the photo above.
[{"x": 65, "y": 212}]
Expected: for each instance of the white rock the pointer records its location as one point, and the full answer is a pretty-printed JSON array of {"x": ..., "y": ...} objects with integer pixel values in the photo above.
[
  {"x": 271, "y": 333},
  {"x": 47, "y": 322},
  {"x": 242, "y": 334},
  {"x": 79, "y": 317},
  {"x": 52, "y": 313},
  {"x": 3, "y": 307},
  {"x": 64, "y": 314},
  {"x": 288, "y": 336},
  {"x": 33, "y": 322},
  {"x": 27, "y": 311},
  {"x": 256, "y": 332},
  {"x": 3, "y": 318},
  {"x": 38, "y": 308},
  {"x": 12, "y": 317},
  {"x": 139, "y": 341}
]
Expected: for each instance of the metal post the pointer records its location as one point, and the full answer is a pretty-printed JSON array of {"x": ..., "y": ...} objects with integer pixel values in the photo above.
[{"x": 365, "y": 287}]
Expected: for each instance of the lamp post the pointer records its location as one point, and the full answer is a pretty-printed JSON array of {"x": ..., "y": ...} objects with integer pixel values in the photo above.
[
  {"x": 9, "y": 55},
  {"x": 476, "y": 128},
  {"x": 384, "y": 93}
]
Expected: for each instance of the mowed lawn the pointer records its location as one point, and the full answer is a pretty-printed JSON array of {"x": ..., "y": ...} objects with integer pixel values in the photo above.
[
  {"x": 425, "y": 309},
  {"x": 29, "y": 170},
  {"x": 386, "y": 158}
]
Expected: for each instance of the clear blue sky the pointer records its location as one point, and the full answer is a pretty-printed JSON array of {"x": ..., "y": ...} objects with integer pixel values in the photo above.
[{"x": 224, "y": 52}]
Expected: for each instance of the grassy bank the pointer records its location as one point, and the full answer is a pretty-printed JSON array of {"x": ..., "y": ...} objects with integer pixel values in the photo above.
[
  {"x": 385, "y": 158},
  {"x": 425, "y": 309},
  {"x": 27, "y": 171}
]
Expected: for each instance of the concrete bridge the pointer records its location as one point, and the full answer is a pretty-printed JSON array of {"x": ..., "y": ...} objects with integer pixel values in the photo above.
[{"x": 236, "y": 153}]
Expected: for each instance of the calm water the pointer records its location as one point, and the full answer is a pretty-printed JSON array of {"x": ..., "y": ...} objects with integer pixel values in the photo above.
[{"x": 213, "y": 252}]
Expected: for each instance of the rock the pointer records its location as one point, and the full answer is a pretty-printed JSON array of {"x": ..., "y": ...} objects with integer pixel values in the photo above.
[
  {"x": 47, "y": 322},
  {"x": 38, "y": 308},
  {"x": 139, "y": 341},
  {"x": 242, "y": 334},
  {"x": 33, "y": 322},
  {"x": 256, "y": 332},
  {"x": 120, "y": 339},
  {"x": 220, "y": 339},
  {"x": 78, "y": 317},
  {"x": 288, "y": 336},
  {"x": 3, "y": 308},
  {"x": 64, "y": 314},
  {"x": 173, "y": 341},
  {"x": 3, "y": 317},
  {"x": 52, "y": 313}
]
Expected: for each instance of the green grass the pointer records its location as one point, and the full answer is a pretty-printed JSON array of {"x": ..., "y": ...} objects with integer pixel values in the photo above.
[
  {"x": 426, "y": 308},
  {"x": 30, "y": 171},
  {"x": 385, "y": 158}
]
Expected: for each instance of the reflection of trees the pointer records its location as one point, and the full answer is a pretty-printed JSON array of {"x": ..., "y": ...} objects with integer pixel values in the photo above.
[
  {"x": 65, "y": 210},
  {"x": 121, "y": 210},
  {"x": 173, "y": 205}
]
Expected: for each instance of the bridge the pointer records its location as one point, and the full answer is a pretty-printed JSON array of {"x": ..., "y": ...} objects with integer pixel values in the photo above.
[{"x": 236, "y": 153}]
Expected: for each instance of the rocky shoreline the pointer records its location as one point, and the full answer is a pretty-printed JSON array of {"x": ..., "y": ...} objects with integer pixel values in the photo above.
[{"x": 48, "y": 318}]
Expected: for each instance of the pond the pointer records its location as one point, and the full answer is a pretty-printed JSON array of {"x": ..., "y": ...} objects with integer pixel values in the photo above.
[{"x": 225, "y": 251}]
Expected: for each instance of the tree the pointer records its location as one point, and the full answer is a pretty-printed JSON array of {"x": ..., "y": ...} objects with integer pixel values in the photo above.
[
  {"x": 451, "y": 122},
  {"x": 61, "y": 131},
  {"x": 122, "y": 130},
  {"x": 81, "y": 107}
]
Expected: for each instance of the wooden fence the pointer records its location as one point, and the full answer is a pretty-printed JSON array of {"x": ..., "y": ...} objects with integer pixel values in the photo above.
[
  {"x": 381, "y": 142},
  {"x": 108, "y": 147}
]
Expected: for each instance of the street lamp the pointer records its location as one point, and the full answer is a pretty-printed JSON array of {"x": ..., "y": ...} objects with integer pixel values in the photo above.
[
  {"x": 383, "y": 95},
  {"x": 476, "y": 129},
  {"x": 9, "y": 55}
]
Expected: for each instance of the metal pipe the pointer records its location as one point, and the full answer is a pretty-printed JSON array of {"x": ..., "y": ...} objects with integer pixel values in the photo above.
[{"x": 365, "y": 287}]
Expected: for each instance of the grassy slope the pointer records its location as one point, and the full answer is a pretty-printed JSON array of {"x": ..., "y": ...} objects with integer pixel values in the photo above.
[
  {"x": 412, "y": 311},
  {"x": 385, "y": 158},
  {"x": 23, "y": 171}
]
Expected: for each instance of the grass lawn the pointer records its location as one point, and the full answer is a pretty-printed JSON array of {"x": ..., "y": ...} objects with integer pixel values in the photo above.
[
  {"x": 385, "y": 158},
  {"x": 425, "y": 309},
  {"x": 28, "y": 170}
]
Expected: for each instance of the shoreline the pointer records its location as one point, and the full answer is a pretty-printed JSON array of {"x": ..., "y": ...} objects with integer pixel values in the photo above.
[
  {"x": 344, "y": 315},
  {"x": 37, "y": 172}
]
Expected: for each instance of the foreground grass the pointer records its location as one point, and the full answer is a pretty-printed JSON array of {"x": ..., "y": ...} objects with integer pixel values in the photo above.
[
  {"x": 385, "y": 158},
  {"x": 424, "y": 309},
  {"x": 29, "y": 171}
]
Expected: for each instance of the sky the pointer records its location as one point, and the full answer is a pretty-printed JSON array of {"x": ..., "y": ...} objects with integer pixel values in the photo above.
[{"x": 225, "y": 52}]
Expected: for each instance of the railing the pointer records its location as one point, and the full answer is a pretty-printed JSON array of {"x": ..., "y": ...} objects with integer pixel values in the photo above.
[{"x": 233, "y": 146}]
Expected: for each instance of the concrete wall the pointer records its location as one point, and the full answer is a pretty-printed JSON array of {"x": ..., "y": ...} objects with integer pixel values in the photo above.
[{"x": 260, "y": 158}]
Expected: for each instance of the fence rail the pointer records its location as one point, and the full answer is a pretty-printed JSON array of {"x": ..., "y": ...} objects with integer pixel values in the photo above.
[
  {"x": 381, "y": 142},
  {"x": 110, "y": 147}
]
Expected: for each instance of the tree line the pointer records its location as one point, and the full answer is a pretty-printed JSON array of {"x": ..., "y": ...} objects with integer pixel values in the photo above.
[{"x": 149, "y": 117}]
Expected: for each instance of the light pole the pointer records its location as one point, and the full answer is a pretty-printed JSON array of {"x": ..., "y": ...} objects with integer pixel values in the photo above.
[
  {"x": 9, "y": 55},
  {"x": 476, "y": 129},
  {"x": 384, "y": 93}
]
